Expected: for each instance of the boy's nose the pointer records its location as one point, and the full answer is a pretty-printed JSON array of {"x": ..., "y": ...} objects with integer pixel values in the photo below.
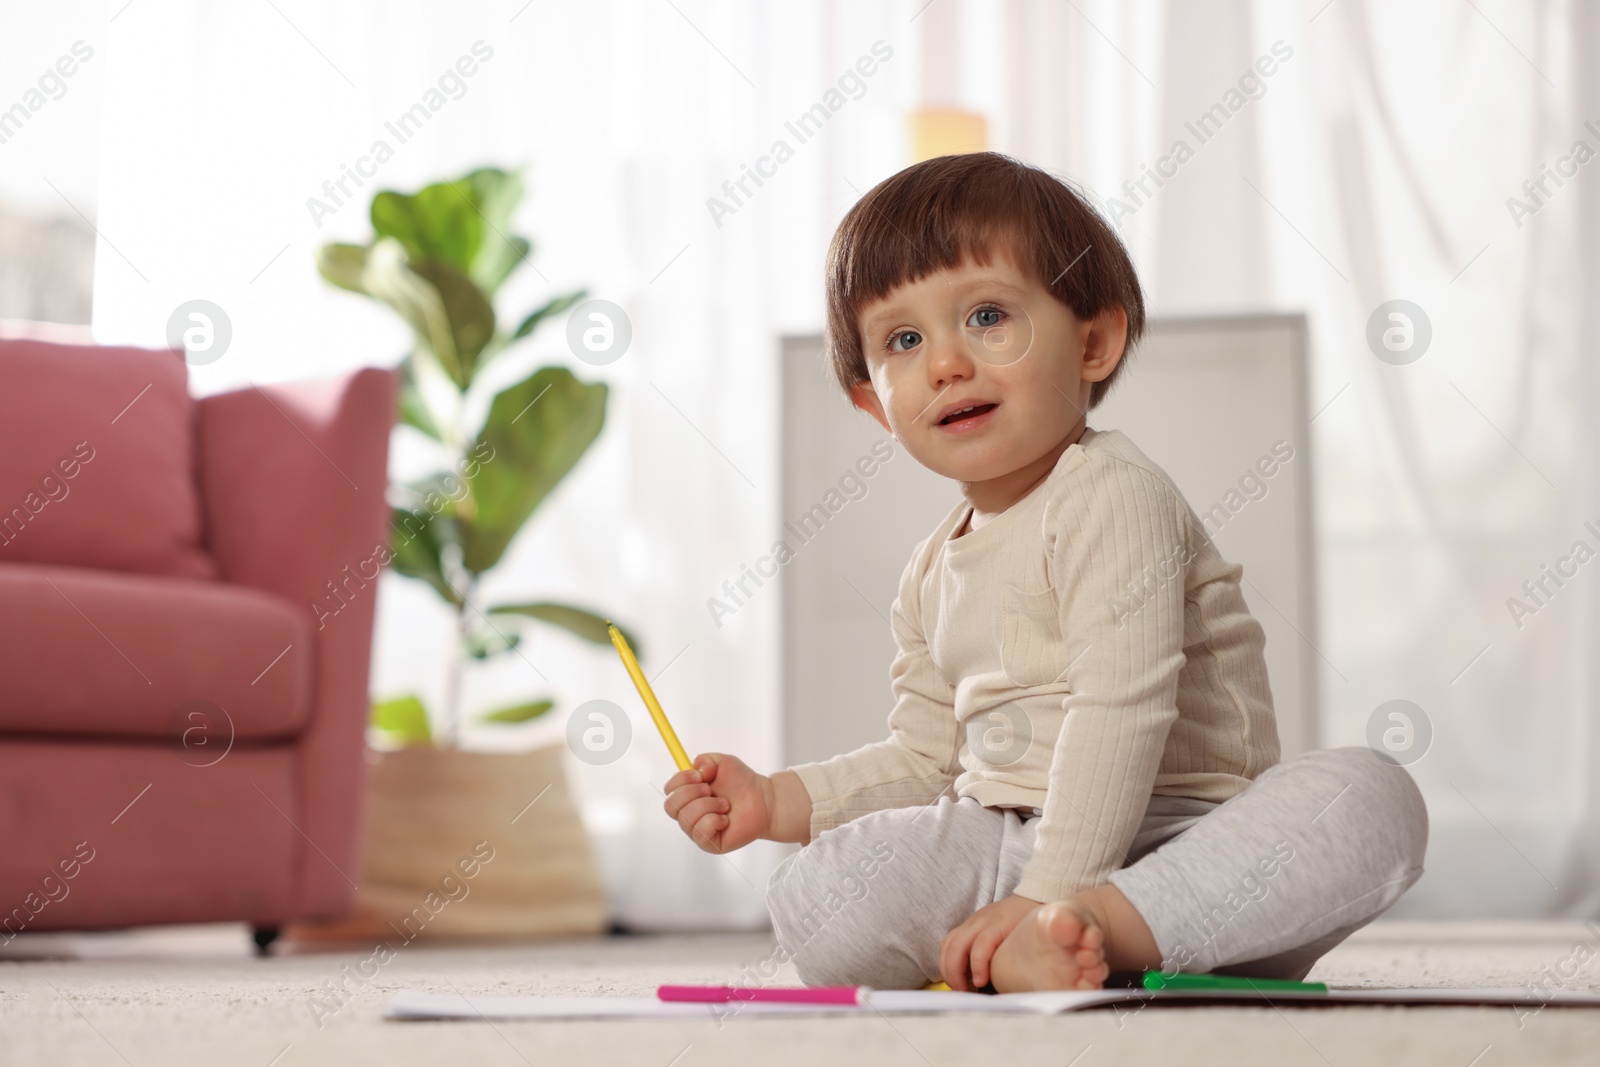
[{"x": 948, "y": 362}]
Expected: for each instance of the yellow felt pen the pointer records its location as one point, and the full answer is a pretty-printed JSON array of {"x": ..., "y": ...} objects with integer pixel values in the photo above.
[{"x": 679, "y": 756}]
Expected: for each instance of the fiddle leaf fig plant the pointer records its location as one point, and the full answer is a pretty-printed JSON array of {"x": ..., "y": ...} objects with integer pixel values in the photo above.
[{"x": 437, "y": 258}]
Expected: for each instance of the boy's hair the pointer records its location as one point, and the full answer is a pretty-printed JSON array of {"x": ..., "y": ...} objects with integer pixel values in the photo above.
[{"x": 933, "y": 215}]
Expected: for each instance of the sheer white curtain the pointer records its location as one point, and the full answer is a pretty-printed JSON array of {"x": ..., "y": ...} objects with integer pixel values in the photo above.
[
  {"x": 1447, "y": 482},
  {"x": 1455, "y": 479},
  {"x": 1373, "y": 163}
]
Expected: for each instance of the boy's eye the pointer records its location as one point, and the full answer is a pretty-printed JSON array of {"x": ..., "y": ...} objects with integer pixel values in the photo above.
[
  {"x": 987, "y": 316},
  {"x": 894, "y": 338}
]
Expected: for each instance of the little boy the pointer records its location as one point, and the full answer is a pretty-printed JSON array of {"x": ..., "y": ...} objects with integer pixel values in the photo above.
[{"x": 1082, "y": 771}]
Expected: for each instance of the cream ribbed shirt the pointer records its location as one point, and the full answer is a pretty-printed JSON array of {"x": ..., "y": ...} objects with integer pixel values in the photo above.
[{"x": 1081, "y": 650}]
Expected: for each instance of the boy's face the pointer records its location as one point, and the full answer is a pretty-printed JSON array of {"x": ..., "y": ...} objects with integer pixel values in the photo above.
[{"x": 991, "y": 337}]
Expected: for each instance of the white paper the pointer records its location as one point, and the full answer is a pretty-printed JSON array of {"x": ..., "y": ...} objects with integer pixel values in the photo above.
[{"x": 414, "y": 1004}]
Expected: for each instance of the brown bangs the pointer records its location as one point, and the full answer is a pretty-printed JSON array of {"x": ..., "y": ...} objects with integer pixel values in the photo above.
[{"x": 934, "y": 215}]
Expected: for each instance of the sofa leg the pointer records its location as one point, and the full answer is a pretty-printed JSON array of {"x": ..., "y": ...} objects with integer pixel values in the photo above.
[{"x": 264, "y": 936}]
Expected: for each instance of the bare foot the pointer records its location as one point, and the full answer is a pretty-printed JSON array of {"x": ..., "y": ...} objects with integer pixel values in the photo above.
[
  {"x": 1075, "y": 944},
  {"x": 1060, "y": 945}
]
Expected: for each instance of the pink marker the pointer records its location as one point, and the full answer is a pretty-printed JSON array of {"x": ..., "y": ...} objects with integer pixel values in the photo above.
[{"x": 721, "y": 994}]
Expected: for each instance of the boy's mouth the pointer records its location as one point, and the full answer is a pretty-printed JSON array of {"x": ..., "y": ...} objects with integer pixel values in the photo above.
[{"x": 966, "y": 414}]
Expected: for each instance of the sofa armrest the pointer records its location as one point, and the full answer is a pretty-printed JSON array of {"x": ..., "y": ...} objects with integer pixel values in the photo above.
[{"x": 293, "y": 482}]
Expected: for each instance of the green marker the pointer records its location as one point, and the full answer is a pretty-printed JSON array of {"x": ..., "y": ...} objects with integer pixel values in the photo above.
[{"x": 1204, "y": 982}]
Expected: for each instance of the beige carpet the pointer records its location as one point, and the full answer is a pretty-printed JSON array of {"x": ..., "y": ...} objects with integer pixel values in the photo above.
[{"x": 194, "y": 996}]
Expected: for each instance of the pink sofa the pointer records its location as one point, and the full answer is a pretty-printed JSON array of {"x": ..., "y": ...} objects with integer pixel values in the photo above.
[{"x": 181, "y": 727}]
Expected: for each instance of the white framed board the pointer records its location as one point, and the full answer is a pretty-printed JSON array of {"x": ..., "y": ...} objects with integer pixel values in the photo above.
[{"x": 1215, "y": 401}]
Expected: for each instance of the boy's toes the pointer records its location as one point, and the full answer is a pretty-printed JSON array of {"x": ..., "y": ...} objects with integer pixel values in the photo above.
[
  {"x": 1061, "y": 948},
  {"x": 1070, "y": 926},
  {"x": 1062, "y": 925},
  {"x": 1073, "y": 930},
  {"x": 1091, "y": 975}
]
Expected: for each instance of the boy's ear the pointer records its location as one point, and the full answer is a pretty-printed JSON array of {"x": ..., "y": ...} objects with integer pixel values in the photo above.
[
  {"x": 863, "y": 396},
  {"x": 1105, "y": 338}
]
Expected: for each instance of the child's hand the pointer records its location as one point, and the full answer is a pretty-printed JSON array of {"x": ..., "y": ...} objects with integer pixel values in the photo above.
[
  {"x": 721, "y": 803},
  {"x": 968, "y": 948}
]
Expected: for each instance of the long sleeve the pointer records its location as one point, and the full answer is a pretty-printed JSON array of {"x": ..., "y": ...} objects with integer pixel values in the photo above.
[
  {"x": 917, "y": 762},
  {"x": 1118, "y": 560}
]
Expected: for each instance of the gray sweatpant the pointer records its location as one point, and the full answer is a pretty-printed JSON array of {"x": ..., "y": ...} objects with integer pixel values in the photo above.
[{"x": 1261, "y": 885}]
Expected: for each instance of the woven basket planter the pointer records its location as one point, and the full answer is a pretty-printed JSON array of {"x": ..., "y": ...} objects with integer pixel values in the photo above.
[{"x": 470, "y": 845}]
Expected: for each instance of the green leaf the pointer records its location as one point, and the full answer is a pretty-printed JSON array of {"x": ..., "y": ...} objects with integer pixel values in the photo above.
[
  {"x": 536, "y": 432},
  {"x": 582, "y": 623},
  {"x": 554, "y": 306},
  {"x": 404, "y": 719},
  {"x": 417, "y": 539},
  {"x": 436, "y": 223},
  {"x": 520, "y": 712},
  {"x": 466, "y": 309},
  {"x": 487, "y": 642},
  {"x": 496, "y": 194},
  {"x": 414, "y": 411},
  {"x": 498, "y": 259},
  {"x": 444, "y": 494},
  {"x": 382, "y": 272},
  {"x": 500, "y": 343},
  {"x": 343, "y": 265},
  {"x": 450, "y": 315},
  {"x": 463, "y": 223}
]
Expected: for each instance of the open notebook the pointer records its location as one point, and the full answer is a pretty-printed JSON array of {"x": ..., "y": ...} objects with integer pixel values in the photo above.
[{"x": 412, "y": 1004}]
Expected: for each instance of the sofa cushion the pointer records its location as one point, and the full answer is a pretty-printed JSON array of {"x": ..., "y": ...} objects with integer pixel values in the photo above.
[
  {"x": 93, "y": 652},
  {"x": 97, "y": 459}
]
